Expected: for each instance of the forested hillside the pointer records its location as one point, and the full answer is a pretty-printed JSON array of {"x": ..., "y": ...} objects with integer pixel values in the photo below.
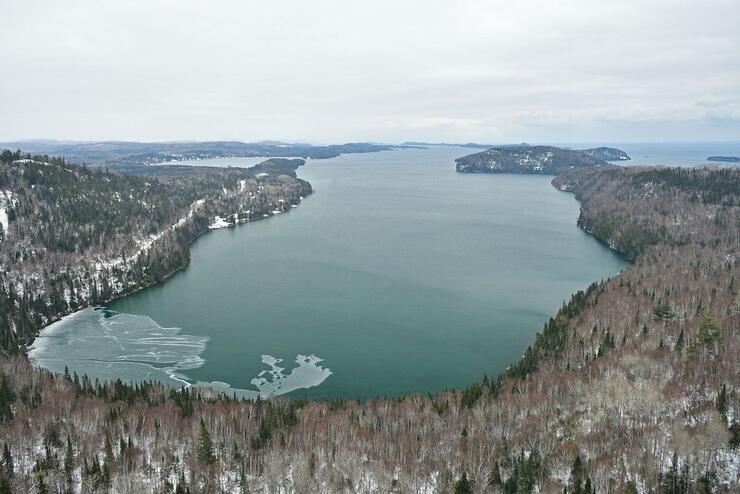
[
  {"x": 136, "y": 157},
  {"x": 631, "y": 387},
  {"x": 632, "y": 208},
  {"x": 71, "y": 236},
  {"x": 536, "y": 160}
]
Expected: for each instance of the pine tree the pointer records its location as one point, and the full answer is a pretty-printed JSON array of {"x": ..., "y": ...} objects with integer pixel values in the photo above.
[
  {"x": 105, "y": 478},
  {"x": 7, "y": 398},
  {"x": 577, "y": 477},
  {"x": 78, "y": 388},
  {"x": 69, "y": 459},
  {"x": 108, "y": 448},
  {"x": 630, "y": 487},
  {"x": 243, "y": 484},
  {"x": 182, "y": 485},
  {"x": 40, "y": 485},
  {"x": 707, "y": 482},
  {"x": 674, "y": 482},
  {"x": 8, "y": 464},
  {"x": 311, "y": 465},
  {"x": 679, "y": 342},
  {"x": 722, "y": 401},
  {"x": 463, "y": 486},
  {"x": 5, "y": 487},
  {"x": 494, "y": 478},
  {"x": 206, "y": 453}
]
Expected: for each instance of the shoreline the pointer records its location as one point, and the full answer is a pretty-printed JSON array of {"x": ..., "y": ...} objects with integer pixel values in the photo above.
[
  {"x": 625, "y": 362},
  {"x": 229, "y": 388},
  {"x": 137, "y": 289}
]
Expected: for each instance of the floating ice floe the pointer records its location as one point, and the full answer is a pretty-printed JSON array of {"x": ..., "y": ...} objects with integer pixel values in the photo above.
[
  {"x": 274, "y": 381},
  {"x": 307, "y": 374}
]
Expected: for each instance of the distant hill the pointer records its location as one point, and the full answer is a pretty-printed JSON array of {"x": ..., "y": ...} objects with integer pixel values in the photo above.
[
  {"x": 466, "y": 145},
  {"x": 133, "y": 157},
  {"x": 538, "y": 160}
]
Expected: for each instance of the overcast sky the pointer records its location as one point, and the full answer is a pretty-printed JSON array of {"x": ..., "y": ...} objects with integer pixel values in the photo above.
[{"x": 331, "y": 71}]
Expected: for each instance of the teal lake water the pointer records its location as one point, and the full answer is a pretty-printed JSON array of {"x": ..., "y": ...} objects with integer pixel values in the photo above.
[{"x": 402, "y": 275}]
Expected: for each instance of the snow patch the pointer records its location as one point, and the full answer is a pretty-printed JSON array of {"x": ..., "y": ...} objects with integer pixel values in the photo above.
[
  {"x": 7, "y": 199},
  {"x": 219, "y": 222}
]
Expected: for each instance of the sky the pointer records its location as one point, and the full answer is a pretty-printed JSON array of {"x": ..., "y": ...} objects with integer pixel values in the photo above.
[{"x": 388, "y": 71}]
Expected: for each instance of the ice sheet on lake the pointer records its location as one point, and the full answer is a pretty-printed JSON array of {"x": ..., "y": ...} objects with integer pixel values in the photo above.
[
  {"x": 271, "y": 382},
  {"x": 108, "y": 345}
]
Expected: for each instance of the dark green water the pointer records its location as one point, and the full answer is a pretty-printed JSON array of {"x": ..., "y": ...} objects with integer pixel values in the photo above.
[{"x": 400, "y": 273}]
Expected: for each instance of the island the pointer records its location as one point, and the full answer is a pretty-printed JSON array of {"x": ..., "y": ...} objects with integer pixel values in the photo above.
[
  {"x": 607, "y": 154},
  {"x": 538, "y": 160},
  {"x": 725, "y": 159}
]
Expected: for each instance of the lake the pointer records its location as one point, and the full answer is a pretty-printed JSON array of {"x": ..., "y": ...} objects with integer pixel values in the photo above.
[
  {"x": 397, "y": 275},
  {"x": 670, "y": 153}
]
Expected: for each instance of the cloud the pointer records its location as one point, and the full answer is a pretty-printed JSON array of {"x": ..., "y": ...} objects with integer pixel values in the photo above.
[{"x": 339, "y": 70}]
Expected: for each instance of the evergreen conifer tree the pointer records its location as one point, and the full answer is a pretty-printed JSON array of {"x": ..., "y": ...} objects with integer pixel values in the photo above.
[
  {"x": 5, "y": 487},
  {"x": 463, "y": 486},
  {"x": 69, "y": 459},
  {"x": 182, "y": 485},
  {"x": 40, "y": 485},
  {"x": 494, "y": 478},
  {"x": 722, "y": 401},
  {"x": 206, "y": 453},
  {"x": 679, "y": 342},
  {"x": 8, "y": 464}
]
